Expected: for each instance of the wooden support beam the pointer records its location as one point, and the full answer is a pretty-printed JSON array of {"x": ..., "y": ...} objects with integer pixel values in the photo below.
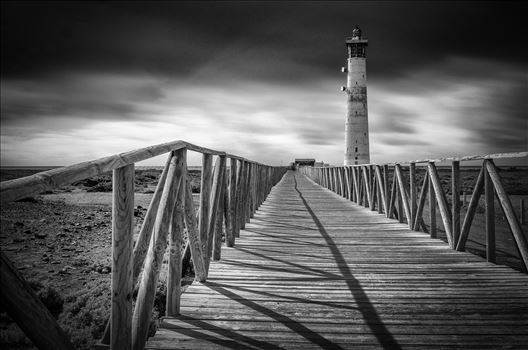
[
  {"x": 158, "y": 245},
  {"x": 432, "y": 209},
  {"x": 403, "y": 194},
  {"x": 238, "y": 198},
  {"x": 421, "y": 203},
  {"x": 386, "y": 189},
  {"x": 394, "y": 194},
  {"x": 122, "y": 242},
  {"x": 382, "y": 189},
  {"x": 193, "y": 235},
  {"x": 219, "y": 224},
  {"x": 367, "y": 186},
  {"x": 214, "y": 205},
  {"x": 455, "y": 199},
  {"x": 25, "y": 308},
  {"x": 489, "y": 196},
  {"x": 442, "y": 202},
  {"x": 172, "y": 307},
  {"x": 413, "y": 193},
  {"x": 143, "y": 240},
  {"x": 509, "y": 212},
  {"x": 472, "y": 208},
  {"x": 205, "y": 197}
]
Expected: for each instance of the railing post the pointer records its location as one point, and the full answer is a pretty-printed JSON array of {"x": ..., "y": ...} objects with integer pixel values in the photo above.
[
  {"x": 231, "y": 230},
  {"x": 217, "y": 219},
  {"x": 205, "y": 196},
  {"x": 239, "y": 195},
  {"x": 122, "y": 238},
  {"x": 507, "y": 207},
  {"x": 214, "y": 205},
  {"x": 490, "y": 217},
  {"x": 455, "y": 199},
  {"x": 175, "y": 252},
  {"x": 413, "y": 194}
]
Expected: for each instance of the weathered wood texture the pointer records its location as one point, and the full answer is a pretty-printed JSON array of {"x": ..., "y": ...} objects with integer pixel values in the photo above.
[
  {"x": 25, "y": 308},
  {"x": 122, "y": 237},
  {"x": 313, "y": 270},
  {"x": 158, "y": 245}
]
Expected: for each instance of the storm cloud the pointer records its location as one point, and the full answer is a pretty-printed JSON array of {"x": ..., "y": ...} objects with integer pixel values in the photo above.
[{"x": 259, "y": 79}]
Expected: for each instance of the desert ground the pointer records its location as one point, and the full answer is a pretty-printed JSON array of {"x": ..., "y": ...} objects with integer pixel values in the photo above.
[{"x": 61, "y": 242}]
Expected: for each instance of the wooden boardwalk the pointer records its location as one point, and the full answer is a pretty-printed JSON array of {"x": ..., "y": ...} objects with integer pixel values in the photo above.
[{"x": 313, "y": 270}]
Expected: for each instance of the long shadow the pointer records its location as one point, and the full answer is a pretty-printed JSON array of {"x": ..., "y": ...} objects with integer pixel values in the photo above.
[
  {"x": 367, "y": 309},
  {"x": 259, "y": 344},
  {"x": 277, "y": 237},
  {"x": 267, "y": 268},
  {"x": 301, "y": 300},
  {"x": 295, "y": 326},
  {"x": 316, "y": 272}
]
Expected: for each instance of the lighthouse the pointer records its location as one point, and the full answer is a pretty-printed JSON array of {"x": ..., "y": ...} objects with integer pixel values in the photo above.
[{"x": 356, "y": 124}]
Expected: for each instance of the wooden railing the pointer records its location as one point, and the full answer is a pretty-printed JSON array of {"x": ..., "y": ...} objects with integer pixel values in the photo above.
[
  {"x": 226, "y": 197},
  {"x": 369, "y": 184}
]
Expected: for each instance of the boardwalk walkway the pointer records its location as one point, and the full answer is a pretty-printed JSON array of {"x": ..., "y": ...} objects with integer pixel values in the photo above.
[{"x": 313, "y": 270}]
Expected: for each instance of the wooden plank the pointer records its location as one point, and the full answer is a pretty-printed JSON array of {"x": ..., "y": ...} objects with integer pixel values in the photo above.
[
  {"x": 122, "y": 237},
  {"x": 25, "y": 308},
  {"x": 314, "y": 270}
]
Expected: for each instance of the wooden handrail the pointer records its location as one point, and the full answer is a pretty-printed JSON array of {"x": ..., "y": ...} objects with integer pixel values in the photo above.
[
  {"x": 373, "y": 192},
  {"x": 232, "y": 199}
]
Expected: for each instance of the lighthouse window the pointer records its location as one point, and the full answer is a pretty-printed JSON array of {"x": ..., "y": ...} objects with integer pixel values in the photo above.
[{"x": 356, "y": 149}]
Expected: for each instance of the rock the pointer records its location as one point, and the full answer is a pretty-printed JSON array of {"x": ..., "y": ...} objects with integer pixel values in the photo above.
[
  {"x": 43, "y": 221},
  {"x": 57, "y": 213},
  {"x": 106, "y": 270},
  {"x": 18, "y": 224},
  {"x": 40, "y": 235},
  {"x": 136, "y": 212},
  {"x": 55, "y": 262},
  {"x": 60, "y": 235},
  {"x": 28, "y": 232},
  {"x": 88, "y": 217},
  {"x": 18, "y": 240},
  {"x": 66, "y": 229}
]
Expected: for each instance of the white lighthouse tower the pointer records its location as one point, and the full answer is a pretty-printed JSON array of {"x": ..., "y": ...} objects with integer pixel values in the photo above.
[{"x": 356, "y": 125}]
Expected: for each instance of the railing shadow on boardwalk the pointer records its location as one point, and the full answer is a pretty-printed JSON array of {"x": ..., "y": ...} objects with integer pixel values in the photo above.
[{"x": 368, "y": 311}]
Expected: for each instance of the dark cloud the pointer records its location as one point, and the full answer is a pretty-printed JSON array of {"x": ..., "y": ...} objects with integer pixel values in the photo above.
[{"x": 291, "y": 40}]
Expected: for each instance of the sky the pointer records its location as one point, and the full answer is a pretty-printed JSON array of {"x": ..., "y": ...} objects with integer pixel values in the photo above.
[{"x": 83, "y": 80}]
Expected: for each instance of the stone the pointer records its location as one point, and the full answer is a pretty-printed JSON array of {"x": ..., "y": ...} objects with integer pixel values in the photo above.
[{"x": 40, "y": 235}]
